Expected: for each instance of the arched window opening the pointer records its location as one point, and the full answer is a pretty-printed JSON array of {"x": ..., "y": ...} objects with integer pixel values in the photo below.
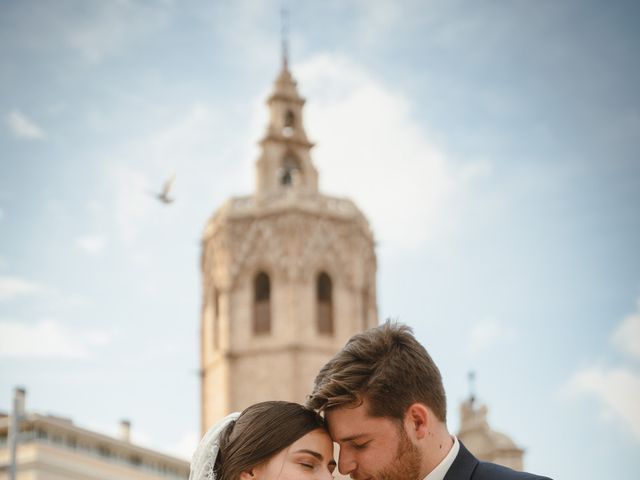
[
  {"x": 290, "y": 168},
  {"x": 289, "y": 119},
  {"x": 261, "y": 304},
  {"x": 324, "y": 302},
  {"x": 289, "y": 123}
]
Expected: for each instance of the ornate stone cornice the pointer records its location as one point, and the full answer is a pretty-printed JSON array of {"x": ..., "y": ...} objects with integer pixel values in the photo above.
[{"x": 292, "y": 242}]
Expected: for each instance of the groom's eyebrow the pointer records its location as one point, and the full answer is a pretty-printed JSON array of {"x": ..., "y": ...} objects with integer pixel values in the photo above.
[{"x": 350, "y": 438}]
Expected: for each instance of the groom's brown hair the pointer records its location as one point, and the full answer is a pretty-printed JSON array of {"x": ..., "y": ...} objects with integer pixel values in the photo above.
[{"x": 388, "y": 367}]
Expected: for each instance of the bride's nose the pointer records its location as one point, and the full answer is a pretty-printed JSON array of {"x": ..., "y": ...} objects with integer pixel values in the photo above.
[{"x": 326, "y": 475}]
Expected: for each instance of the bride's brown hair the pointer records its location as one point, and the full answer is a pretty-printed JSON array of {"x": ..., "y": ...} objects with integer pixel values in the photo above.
[{"x": 261, "y": 431}]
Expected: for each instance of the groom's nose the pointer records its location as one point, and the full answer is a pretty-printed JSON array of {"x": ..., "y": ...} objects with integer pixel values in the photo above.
[{"x": 346, "y": 462}]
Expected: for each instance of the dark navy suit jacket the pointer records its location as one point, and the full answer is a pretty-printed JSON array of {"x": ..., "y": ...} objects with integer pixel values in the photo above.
[{"x": 468, "y": 467}]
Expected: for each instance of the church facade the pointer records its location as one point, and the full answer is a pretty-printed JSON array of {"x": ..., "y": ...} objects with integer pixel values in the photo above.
[{"x": 288, "y": 274}]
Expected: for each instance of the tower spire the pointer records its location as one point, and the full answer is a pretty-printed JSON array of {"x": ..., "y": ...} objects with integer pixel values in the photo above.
[
  {"x": 284, "y": 33},
  {"x": 471, "y": 377}
]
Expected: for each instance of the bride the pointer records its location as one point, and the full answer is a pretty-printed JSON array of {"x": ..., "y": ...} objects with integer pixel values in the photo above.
[{"x": 267, "y": 441}]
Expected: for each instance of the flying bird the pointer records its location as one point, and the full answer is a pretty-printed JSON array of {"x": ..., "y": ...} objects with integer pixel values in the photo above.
[{"x": 163, "y": 196}]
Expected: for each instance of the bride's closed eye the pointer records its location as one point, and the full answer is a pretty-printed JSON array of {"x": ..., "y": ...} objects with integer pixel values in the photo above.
[{"x": 308, "y": 462}]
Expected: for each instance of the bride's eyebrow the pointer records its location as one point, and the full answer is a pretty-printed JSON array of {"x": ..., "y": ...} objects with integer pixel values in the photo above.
[
  {"x": 315, "y": 454},
  {"x": 310, "y": 452}
]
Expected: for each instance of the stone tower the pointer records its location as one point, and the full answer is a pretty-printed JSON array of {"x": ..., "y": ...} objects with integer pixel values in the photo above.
[
  {"x": 288, "y": 274},
  {"x": 484, "y": 442}
]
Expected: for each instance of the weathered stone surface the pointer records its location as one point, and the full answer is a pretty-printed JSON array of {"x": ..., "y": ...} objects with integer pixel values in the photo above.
[{"x": 290, "y": 231}]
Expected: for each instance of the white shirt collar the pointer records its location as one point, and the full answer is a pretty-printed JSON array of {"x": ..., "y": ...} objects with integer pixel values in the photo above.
[{"x": 443, "y": 467}]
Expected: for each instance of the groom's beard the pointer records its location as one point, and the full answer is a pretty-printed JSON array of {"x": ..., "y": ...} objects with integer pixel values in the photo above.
[{"x": 406, "y": 465}]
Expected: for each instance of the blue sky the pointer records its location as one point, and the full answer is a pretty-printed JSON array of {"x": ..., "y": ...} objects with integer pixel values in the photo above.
[{"x": 494, "y": 147}]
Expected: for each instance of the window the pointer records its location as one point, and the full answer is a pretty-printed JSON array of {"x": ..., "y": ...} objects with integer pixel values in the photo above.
[
  {"x": 324, "y": 302},
  {"x": 289, "y": 119},
  {"x": 104, "y": 451},
  {"x": 290, "y": 168},
  {"x": 289, "y": 123},
  {"x": 261, "y": 304}
]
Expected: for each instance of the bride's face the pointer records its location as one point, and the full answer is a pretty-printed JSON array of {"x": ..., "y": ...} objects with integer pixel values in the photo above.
[{"x": 308, "y": 458}]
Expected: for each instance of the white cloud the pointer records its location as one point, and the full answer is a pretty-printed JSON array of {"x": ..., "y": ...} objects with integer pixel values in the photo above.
[
  {"x": 22, "y": 127},
  {"x": 47, "y": 338},
  {"x": 91, "y": 244},
  {"x": 627, "y": 336},
  {"x": 1, "y": 214},
  {"x": 486, "y": 334},
  {"x": 407, "y": 187},
  {"x": 12, "y": 287},
  {"x": 618, "y": 389},
  {"x": 371, "y": 148}
]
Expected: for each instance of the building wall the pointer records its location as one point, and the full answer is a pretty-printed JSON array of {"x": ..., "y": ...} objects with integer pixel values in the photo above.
[
  {"x": 241, "y": 367},
  {"x": 47, "y": 461}
]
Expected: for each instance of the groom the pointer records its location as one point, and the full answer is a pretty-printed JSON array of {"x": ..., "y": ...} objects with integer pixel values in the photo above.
[{"x": 384, "y": 403}]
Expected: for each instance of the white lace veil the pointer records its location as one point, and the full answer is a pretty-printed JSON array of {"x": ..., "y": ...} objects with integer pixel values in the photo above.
[{"x": 204, "y": 458}]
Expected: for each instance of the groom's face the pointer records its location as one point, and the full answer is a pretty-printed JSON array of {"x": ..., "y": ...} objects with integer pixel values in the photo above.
[{"x": 372, "y": 448}]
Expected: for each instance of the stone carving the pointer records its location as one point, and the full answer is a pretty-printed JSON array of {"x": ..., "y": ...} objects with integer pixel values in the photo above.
[{"x": 293, "y": 244}]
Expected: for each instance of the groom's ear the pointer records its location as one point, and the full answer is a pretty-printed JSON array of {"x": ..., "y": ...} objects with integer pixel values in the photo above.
[{"x": 416, "y": 420}]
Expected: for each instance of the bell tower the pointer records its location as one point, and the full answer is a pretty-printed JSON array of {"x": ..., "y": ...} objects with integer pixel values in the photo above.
[
  {"x": 285, "y": 163},
  {"x": 288, "y": 274}
]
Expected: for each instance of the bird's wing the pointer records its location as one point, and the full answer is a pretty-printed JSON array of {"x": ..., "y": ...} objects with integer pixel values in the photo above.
[{"x": 167, "y": 185}]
